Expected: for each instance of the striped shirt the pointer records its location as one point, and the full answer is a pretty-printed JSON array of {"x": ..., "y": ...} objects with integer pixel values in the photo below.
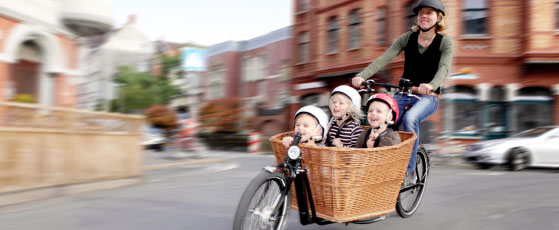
[{"x": 348, "y": 134}]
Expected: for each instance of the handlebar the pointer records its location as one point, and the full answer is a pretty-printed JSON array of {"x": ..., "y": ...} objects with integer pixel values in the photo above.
[
  {"x": 296, "y": 139},
  {"x": 405, "y": 86}
]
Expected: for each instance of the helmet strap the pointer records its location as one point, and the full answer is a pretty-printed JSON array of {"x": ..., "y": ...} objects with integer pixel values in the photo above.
[
  {"x": 426, "y": 30},
  {"x": 390, "y": 122},
  {"x": 314, "y": 136},
  {"x": 343, "y": 117}
]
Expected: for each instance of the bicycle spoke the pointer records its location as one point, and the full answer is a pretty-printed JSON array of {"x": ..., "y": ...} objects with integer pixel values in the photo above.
[{"x": 263, "y": 192}]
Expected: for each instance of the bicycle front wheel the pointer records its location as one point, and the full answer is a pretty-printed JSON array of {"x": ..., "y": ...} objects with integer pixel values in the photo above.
[
  {"x": 411, "y": 194},
  {"x": 256, "y": 209}
]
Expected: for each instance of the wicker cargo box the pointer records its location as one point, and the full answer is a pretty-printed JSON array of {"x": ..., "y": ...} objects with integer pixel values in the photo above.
[{"x": 349, "y": 184}]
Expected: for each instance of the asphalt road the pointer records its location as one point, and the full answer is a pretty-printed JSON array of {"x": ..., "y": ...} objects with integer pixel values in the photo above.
[{"x": 205, "y": 197}]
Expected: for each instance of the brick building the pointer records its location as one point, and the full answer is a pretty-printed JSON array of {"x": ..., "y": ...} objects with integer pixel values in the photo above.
[
  {"x": 256, "y": 71},
  {"x": 506, "y": 59},
  {"x": 40, "y": 47}
]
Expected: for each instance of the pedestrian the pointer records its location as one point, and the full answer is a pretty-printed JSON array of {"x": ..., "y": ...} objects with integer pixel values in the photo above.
[
  {"x": 382, "y": 111},
  {"x": 428, "y": 57},
  {"x": 312, "y": 123},
  {"x": 345, "y": 106}
]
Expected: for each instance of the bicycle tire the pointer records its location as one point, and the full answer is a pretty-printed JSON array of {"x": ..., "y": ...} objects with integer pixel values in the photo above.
[
  {"x": 254, "y": 209},
  {"x": 408, "y": 201}
]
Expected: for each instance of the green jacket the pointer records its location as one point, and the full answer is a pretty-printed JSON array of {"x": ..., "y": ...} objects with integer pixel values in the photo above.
[{"x": 446, "y": 48}]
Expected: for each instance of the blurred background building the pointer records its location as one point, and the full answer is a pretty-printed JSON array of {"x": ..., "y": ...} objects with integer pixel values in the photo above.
[
  {"x": 258, "y": 72},
  {"x": 187, "y": 75},
  {"x": 506, "y": 60},
  {"x": 40, "y": 47},
  {"x": 105, "y": 53},
  {"x": 190, "y": 78}
]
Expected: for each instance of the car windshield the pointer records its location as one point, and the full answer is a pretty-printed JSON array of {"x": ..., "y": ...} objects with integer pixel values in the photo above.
[{"x": 533, "y": 132}]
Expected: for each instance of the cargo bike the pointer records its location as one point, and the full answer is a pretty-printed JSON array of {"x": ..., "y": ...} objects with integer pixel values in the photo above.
[{"x": 335, "y": 185}]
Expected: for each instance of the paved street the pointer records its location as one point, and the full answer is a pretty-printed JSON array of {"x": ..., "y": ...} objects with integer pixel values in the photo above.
[{"x": 205, "y": 197}]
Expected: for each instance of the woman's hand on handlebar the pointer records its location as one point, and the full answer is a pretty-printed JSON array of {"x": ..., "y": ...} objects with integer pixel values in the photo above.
[
  {"x": 424, "y": 89},
  {"x": 356, "y": 82}
]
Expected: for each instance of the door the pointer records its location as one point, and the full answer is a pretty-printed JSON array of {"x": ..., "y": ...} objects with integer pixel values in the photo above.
[{"x": 24, "y": 78}]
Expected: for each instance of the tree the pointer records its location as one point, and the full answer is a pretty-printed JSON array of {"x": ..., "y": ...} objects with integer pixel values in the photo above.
[
  {"x": 139, "y": 90},
  {"x": 168, "y": 63},
  {"x": 221, "y": 115},
  {"x": 162, "y": 116}
]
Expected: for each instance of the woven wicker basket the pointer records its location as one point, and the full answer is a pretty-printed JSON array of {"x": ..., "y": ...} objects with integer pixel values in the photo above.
[{"x": 349, "y": 184}]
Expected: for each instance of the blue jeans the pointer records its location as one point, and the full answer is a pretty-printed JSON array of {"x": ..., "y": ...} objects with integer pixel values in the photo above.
[{"x": 418, "y": 111}]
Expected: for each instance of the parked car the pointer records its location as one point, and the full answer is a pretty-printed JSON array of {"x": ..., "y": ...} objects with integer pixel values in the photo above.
[
  {"x": 153, "y": 138},
  {"x": 538, "y": 147}
]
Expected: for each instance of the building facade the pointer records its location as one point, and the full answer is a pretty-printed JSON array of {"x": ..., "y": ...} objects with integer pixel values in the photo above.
[
  {"x": 256, "y": 71},
  {"x": 505, "y": 67},
  {"x": 40, "y": 47}
]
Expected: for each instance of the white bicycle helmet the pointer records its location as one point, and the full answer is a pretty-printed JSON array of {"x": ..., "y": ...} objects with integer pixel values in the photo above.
[
  {"x": 349, "y": 92},
  {"x": 318, "y": 114}
]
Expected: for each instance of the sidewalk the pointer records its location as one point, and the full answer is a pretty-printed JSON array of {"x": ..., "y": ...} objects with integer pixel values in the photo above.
[
  {"x": 444, "y": 159},
  {"x": 447, "y": 160}
]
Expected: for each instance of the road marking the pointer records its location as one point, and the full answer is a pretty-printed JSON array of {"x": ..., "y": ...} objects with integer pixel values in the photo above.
[
  {"x": 183, "y": 163},
  {"x": 218, "y": 168},
  {"x": 483, "y": 173}
]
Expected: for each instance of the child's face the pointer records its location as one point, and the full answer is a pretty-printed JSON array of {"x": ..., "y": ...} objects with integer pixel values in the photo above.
[
  {"x": 306, "y": 124},
  {"x": 377, "y": 113},
  {"x": 339, "y": 105}
]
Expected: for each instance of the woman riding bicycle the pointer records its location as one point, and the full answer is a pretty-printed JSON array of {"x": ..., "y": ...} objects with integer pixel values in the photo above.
[{"x": 428, "y": 56}]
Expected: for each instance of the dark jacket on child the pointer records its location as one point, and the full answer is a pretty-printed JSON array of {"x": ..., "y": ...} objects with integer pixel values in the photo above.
[{"x": 387, "y": 137}]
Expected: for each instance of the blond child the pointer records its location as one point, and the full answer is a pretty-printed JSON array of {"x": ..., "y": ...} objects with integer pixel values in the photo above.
[
  {"x": 382, "y": 111},
  {"x": 345, "y": 128},
  {"x": 311, "y": 122}
]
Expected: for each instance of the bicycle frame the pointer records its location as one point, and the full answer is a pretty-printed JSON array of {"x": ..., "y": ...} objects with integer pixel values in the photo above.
[{"x": 298, "y": 175}]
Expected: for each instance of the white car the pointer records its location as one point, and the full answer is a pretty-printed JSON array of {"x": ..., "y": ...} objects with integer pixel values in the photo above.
[{"x": 538, "y": 147}]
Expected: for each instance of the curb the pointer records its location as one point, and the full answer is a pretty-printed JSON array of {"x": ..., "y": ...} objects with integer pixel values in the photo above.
[
  {"x": 184, "y": 163},
  {"x": 37, "y": 194}
]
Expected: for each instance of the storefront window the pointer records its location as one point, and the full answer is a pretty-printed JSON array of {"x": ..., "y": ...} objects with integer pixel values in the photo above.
[
  {"x": 533, "y": 107},
  {"x": 496, "y": 120},
  {"x": 461, "y": 111}
]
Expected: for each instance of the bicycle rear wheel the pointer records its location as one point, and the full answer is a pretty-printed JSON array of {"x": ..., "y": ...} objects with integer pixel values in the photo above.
[
  {"x": 256, "y": 211},
  {"x": 411, "y": 194}
]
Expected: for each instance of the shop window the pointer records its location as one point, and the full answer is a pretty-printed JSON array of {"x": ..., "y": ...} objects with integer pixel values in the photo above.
[
  {"x": 533, "y": 107},
  {"x": 310, "y": 99},
  {"x": 496, "y": 119},
  {"x": 461, "y": 110}
]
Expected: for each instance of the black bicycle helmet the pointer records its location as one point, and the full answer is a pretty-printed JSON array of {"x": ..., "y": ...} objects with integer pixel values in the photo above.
[{"x": 435, "y": 4}]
